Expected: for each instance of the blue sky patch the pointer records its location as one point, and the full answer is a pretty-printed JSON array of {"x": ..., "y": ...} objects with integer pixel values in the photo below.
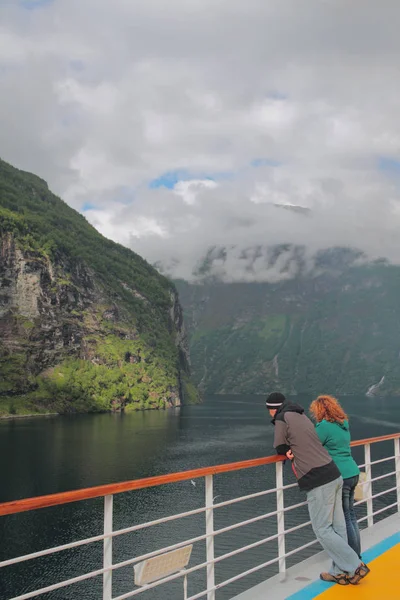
[
  {"x": 171, "y": 178},
  {"x": 34, "y": 4},
  {"x": 264, "y": 162},
  {"x": 389, "y": 165},
  {"x": 88, "y": 206}
]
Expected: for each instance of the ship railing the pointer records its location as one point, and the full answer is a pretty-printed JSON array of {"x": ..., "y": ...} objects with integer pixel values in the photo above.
[{"x": 211, "y": 563}]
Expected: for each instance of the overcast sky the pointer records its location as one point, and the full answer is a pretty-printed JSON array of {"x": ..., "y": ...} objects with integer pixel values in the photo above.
[{"x": 176, "y": 125}]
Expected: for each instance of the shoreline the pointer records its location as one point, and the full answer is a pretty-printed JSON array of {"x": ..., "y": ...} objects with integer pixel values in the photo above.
[
  {"x": 9, "y": 417},
  {"x": 109, "y": 412}
]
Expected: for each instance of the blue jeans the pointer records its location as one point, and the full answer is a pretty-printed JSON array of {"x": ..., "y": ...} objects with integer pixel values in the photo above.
[
  {"x": 327, "y": 519},
  {"x": 353, "y": 532}
]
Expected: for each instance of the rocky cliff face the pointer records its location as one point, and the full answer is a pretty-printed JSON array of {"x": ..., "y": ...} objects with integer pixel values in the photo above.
[
  {"x": 89, "y": 326},
  {"x": 178, "y": 326}
]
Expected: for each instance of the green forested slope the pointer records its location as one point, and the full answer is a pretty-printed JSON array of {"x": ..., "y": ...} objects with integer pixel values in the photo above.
[
  {"x": 85, "y": 324},
  {"x": 337, "y": 332}
]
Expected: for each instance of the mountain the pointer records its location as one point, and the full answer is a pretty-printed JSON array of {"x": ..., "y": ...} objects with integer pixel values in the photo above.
[
  {"x": 329, "y": 327},
  {"x": 85, "y": 324}
]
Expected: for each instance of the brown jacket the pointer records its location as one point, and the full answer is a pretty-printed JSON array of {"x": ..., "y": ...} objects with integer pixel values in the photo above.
[{"x": 294, "y": 431}]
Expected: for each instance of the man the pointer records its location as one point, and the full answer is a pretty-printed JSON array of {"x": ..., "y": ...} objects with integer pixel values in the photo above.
[{"x": 319, "y": 477}]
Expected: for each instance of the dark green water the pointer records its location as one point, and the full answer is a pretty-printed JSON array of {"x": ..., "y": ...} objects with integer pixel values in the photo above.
[{"x": 43, "y": 456}]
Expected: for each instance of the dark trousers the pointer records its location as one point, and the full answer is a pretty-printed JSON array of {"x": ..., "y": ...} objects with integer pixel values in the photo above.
[{"x": 353, "y": 532}]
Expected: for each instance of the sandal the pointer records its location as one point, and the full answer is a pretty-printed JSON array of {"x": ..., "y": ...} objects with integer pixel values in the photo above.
[
  {"x": 361, "y": 572},
  {"x": 341, "y": 579}
]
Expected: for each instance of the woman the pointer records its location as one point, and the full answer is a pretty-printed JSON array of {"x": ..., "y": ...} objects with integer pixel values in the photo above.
[{"x": 333, "y": 430}]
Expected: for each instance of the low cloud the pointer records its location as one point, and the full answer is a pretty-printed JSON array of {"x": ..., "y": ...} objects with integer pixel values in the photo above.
[{"x": 243, "y": 219}]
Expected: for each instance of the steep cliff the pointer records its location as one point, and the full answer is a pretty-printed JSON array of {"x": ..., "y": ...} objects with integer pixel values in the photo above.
[
  {"x": 85, "y": 324},
  {"x": 334, "y": 330}
]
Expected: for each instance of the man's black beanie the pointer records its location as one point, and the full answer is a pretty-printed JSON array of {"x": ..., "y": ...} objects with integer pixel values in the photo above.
[{"x": 275, "y": 400}]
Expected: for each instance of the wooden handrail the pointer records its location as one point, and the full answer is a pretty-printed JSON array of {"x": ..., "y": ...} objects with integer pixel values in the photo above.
[
  {"x": 382, "y": 438},
  {"x": 18, "y": 506}
]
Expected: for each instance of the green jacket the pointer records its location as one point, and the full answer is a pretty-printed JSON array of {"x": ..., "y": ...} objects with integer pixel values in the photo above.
[{"x": 335, "y": 437}]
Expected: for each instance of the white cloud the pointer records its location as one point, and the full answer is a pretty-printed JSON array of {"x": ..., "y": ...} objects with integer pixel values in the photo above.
[
  {"x": 100, "y": 98},
  {"x": 11, "y": 50},
  {"x": 188, "y": 189}
]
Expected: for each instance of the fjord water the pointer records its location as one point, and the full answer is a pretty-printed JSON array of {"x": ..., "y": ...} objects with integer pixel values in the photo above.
[{"x": 47, "y": 455}]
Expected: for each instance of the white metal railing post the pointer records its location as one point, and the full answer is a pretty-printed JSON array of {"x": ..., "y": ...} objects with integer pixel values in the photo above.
[
  {"x": 280, "y": 505},
  {"x": 368, "y": 484},
  {"x": 210, "y": 538},
  {"x": 107, "y": 547},
  {"x": 397, "y": 467}
]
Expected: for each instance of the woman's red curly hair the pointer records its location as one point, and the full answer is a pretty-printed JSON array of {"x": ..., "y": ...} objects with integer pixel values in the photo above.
[{"x": 328, "y": 408}]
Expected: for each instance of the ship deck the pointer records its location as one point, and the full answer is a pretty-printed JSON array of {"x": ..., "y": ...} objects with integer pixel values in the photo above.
[{"x": 382, "y": 553}]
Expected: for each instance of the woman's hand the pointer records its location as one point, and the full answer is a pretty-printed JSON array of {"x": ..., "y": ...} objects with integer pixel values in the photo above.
[{"x": 290, "y": 455}]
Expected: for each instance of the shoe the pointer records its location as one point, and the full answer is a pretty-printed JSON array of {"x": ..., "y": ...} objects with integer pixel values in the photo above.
[
  {"x": 340, "y": 579},
  {"x": 361, "y": 572}
]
